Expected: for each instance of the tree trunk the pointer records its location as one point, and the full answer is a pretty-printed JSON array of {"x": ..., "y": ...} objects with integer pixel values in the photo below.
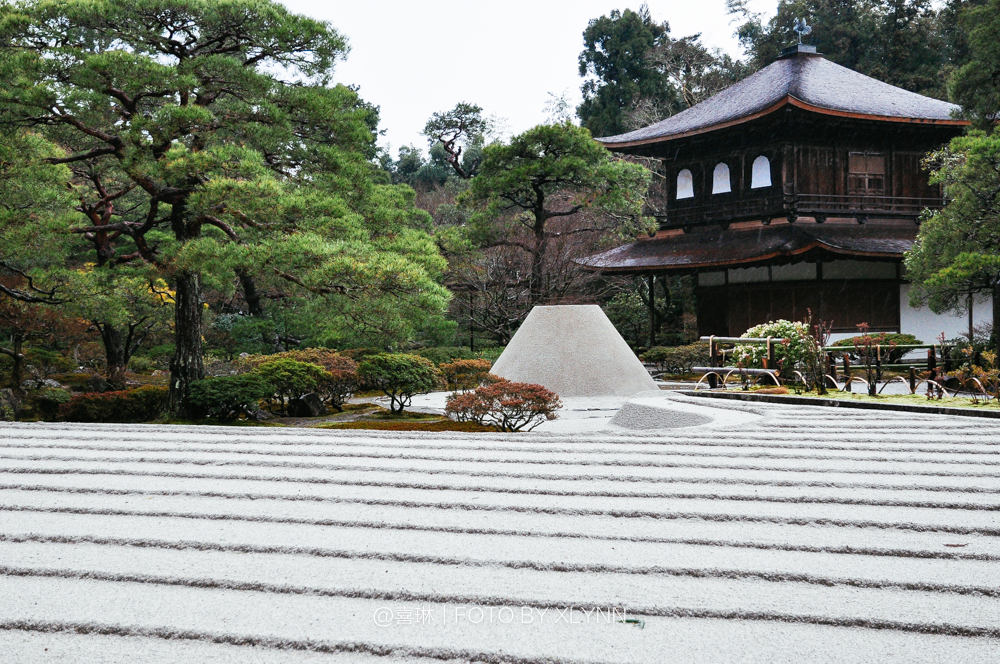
[
  {"x": 537, "y": 261},
  {"x": 972, "y": 324},
  {"x": 186, "y": 366},
  {"x": 250, "y": 293},
  {"x": 17, "y": 371},
  {"x": 115, "y": 355}
]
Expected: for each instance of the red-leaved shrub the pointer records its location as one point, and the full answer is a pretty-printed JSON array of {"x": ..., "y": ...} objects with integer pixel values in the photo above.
[{"x": 505, "y": 405}]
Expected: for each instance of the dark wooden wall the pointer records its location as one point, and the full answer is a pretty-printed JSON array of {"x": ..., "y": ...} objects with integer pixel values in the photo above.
[
  {"x": 808, "y": 154},
  {"x": 732, "y": 310},
  {"x": 815, "y": 169}
]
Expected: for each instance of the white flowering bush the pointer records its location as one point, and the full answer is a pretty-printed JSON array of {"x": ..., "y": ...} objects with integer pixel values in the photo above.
[{"x": 787, "y": 355}]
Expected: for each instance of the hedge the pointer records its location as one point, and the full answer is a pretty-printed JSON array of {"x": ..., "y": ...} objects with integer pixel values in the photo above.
[{"x": 142, "y": 404}]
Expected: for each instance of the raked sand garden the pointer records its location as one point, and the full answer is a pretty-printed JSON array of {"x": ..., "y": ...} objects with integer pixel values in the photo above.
[{"x": 772, "y": 533}]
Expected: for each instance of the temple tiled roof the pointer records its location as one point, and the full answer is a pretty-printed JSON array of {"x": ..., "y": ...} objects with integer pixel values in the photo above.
[
  {"x": 713, "y": 247},
  {"x": 801, "y": 79}
]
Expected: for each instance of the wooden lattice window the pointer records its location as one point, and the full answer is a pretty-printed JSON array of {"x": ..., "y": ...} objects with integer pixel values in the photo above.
[{"x": 866, "y": 173}]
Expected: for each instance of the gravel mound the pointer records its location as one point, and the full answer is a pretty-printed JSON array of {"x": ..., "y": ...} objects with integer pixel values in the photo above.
[
  {"x": 575, "y": 351},
  {"x": 642, "y": 417}
]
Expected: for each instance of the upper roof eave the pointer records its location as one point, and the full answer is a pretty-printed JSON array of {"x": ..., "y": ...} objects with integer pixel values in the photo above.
[
  {"x": 802, "y": 79},
  {"x": 788, "y": 100}
]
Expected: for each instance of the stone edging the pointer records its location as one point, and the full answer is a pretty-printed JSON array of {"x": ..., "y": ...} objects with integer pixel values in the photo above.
[{"x": 838, "y": 403}]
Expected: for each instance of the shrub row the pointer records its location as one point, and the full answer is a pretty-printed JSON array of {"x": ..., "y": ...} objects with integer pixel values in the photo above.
[
  {"x": 277, "y": 380},
  {"x": 126, "y": 406},
  {"x": 678, "y": 359},
  {"x": 890, "y": 354},
  {"x": 281, "y": 378}
]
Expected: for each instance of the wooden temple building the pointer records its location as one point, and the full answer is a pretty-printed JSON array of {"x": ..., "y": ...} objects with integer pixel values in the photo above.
[{"x": 798, "y": 188}]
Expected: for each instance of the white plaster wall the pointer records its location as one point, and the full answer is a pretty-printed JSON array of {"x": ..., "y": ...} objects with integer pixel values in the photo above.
[
  {"x": 794, "y": 272},
  {"x": 926, "y": 325},
  {"x": 848, "y": 269},
  {"x": 839, "y": 336},
  {"x": 748, "y": 275},
  {"x": 712, "y": 279}
]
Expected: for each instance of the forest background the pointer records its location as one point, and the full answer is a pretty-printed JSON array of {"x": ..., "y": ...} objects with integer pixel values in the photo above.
[{"x": 181, "y": 183}]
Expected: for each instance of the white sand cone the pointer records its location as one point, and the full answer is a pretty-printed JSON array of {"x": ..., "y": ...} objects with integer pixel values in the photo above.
[{"x": 575, "y": 351}]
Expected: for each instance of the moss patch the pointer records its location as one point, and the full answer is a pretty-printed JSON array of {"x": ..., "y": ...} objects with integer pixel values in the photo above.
[{"x": 908, "y": 399}]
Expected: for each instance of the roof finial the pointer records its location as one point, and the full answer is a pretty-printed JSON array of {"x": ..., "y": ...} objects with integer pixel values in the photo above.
[{"x": 801, "y": 28}]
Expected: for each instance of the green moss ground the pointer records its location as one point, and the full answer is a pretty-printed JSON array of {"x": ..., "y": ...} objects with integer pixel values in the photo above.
[{"x": 909, "y": 399}]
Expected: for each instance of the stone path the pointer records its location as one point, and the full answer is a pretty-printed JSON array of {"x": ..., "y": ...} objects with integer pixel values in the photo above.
[{"x": 804, "y": 535}]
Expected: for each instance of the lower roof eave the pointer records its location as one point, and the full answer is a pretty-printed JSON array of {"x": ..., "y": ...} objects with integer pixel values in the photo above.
[{"x": 818, "y": 249}]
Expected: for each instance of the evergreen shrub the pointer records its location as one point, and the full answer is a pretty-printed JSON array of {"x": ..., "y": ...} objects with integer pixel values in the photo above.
[
  {"x": 464, "y": 375},
  {"x": 48, "y": 400},
  {"x": 892, "y": 356},
  {"x": 399, "y": 376},
  {"x": 289, "y": 380},
  {"x": 677, "y": 359},
  {"x": 445, "y": 354},
  {"x": 230, "y": 397}
]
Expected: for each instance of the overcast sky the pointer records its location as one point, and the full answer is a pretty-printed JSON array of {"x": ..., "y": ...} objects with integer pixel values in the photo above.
[{"x": 415, "y": 57}]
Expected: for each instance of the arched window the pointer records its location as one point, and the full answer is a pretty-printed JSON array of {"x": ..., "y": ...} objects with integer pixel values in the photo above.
[
  {"x": 720, "y": 180},
  {"x": 761, "y": 173},
  {"x": 685, "y": 184}
]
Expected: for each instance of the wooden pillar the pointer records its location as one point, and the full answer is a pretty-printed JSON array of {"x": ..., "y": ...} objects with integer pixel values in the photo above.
[
  {"x": 652, "y": 310},
  {"x": 713, "y": 361},
  {"x": 996, "y": 316},
  {"x": 847, "y": 372}
]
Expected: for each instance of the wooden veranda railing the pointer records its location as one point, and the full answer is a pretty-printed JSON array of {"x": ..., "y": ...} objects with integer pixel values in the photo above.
[{"x": 792, "y": 206}]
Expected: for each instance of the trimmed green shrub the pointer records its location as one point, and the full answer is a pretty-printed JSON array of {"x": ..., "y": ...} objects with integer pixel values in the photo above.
[
  {"x": 506, "y": 405},
  {"x": 445, "y": 354},
  {"x": 322, "y": 357},
  {"x": 891, "y": 356},
  {"x": 230, "y": 397},
  {"x": 48, "y": 400},
  {"x": 338, "y": 385},
  {"x": 466, "y": 375},
  {"x": 289, "y": 379},
  {"x": 677, "y": 359},
  {"x": 399, "y": 376},
  {"x": 139, "y": 405},
  {"x": 358, "y": 354}
]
